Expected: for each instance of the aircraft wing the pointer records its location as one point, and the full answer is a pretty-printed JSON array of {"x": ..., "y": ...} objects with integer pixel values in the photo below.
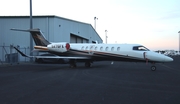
[
  {"x": 55, "y": 56},
  {"x": 63, "y": 57}
]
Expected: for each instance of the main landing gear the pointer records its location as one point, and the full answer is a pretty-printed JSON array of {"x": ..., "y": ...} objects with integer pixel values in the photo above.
[
  {"x": 72, "y": 64},
  {"x": 87, "y": 64}
]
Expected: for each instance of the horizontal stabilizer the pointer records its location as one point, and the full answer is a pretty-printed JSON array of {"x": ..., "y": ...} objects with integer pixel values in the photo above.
[
  {"x": 29, "y": 30},
  {"x": 37, "y": 35}
]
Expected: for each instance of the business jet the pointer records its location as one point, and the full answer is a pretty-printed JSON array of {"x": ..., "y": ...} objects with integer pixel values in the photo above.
[{"x": 88, "y": 52}]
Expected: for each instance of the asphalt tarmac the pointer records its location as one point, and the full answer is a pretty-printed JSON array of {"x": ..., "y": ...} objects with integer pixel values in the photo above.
[{"x": 103, "y": 83}]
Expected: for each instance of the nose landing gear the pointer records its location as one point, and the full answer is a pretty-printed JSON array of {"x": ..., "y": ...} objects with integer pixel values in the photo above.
[{"x": 153, "y": 68}]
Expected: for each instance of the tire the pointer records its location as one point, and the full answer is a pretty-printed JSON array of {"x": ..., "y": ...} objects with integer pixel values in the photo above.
[
  {"x": 87, "y": 64},
  {"x": 153, "y": 68}
]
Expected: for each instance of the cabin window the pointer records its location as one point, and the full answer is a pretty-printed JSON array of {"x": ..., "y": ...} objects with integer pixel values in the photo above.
[
  {"x": 112, "y": 49},
  {"x": 107, "y": 48},
  {"x": 140, "y": 48},
  {"x": 87, "y": 48},
  {"x": 95, "y": 48},
  {"x": 82, "y": 48},
  {"x": 101, "y": 48},
  {"x": 91, "y": 48},
  {"x": 118, "y": 48}
]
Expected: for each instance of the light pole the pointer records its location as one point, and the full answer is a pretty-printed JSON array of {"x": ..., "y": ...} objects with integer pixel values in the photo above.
[
  {"x": 95, "y": 18},
  {"x": 31, "y": 26},
  {"x": 179, "y": 41},
  {"x": 106, "y": 36}
]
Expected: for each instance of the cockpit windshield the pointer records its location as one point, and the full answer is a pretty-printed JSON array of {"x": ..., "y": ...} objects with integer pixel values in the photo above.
[{"x": 140, "y": 48}]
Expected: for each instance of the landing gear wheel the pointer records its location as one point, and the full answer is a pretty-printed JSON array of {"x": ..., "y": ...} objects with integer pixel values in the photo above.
[
  {"x": 153, "y": 68},
  {"x": 72, "y": 64},
  {"x": 87, "y": 64}
]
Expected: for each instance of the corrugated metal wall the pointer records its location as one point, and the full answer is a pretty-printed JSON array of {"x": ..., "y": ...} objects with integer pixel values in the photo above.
[{"x": 55, "y": 29}]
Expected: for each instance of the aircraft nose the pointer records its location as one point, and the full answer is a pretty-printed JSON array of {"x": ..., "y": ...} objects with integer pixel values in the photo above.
[{"x": 168, "y": 59}]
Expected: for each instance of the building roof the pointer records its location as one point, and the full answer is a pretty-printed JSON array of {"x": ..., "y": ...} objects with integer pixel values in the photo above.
[
  {"x": 50, "y": 16},
  {"x": 41, "y": 16}
]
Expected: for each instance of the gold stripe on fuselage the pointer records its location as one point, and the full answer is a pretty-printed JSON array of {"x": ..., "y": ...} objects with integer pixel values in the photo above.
[{"x": 41, "y": 47}]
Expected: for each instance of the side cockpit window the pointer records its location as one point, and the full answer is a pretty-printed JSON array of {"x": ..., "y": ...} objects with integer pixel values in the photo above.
[{"x": 140, "y": 48}]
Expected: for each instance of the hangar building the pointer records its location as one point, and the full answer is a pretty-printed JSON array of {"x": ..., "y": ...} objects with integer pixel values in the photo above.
[{"x": 54, "y": 28}]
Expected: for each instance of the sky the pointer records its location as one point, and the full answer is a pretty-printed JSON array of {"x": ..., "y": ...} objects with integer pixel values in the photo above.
[{"x": 152, "y": 23}]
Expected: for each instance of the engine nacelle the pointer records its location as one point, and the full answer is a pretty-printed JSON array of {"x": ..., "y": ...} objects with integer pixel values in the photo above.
[{"x": 59, "y": 47}]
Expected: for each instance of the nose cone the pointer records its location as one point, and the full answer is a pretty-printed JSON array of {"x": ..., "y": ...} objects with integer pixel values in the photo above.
[
  {"x": 167, "y": 59},
  {"x": 156, "y": 57}
]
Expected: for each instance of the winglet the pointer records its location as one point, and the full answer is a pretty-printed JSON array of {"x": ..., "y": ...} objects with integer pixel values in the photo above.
[{"x": 24, "y": 55}]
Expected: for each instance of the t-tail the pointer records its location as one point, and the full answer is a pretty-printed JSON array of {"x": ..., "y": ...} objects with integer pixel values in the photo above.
[{"x": 37, "y": 35}]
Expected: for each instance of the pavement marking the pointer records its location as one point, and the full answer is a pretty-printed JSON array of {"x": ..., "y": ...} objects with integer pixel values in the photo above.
[{"x": 170, "y": 68}]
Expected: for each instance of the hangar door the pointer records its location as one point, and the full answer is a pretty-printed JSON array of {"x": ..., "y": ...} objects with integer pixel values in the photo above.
[{"x": 77, "y": 39}]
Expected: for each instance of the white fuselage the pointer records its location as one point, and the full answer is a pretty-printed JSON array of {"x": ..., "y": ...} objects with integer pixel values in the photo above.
[
  {"x": 129, "y": 52},
  {"x": 125, "y": 50}
]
